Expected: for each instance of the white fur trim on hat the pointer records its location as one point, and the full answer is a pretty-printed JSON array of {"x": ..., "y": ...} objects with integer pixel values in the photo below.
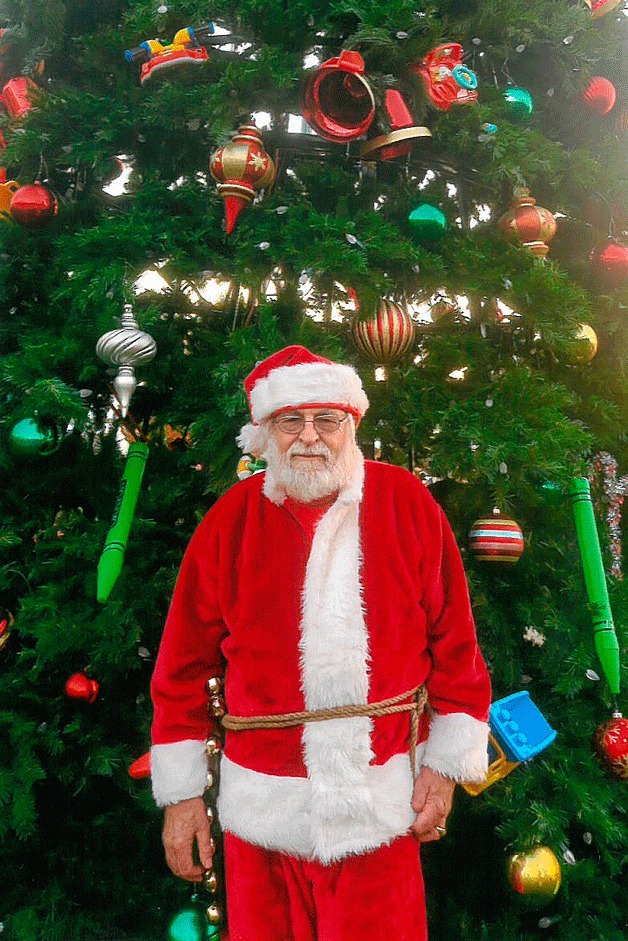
[{"x": 308, "y": 383}]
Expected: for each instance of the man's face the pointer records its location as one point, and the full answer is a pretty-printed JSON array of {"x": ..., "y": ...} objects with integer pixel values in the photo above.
[
  {"x": 303, "y": 451},
  {"x": 315, "y": 460}
]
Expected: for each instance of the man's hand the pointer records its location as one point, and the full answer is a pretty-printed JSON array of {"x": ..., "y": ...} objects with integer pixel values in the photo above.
[
  {"x": 184, "y": 823},
  {"x": 431, "y": 801}
]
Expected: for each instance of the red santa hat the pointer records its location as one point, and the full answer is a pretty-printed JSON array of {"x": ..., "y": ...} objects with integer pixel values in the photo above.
[{"x": 296, "y": 378}]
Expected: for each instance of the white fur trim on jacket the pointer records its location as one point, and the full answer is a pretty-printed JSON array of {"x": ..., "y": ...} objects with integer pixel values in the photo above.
[
  {"x": 457, "y": 747},
  {"x": 178, "y": 771},
  {"x": 295, "y": 386},
  {"x": 279, "y": 812}
]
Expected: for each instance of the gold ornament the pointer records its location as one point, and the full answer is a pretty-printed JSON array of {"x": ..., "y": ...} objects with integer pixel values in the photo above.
[
  {"x": 584, "y": 346},
  {"x": 535, "y": 873}
]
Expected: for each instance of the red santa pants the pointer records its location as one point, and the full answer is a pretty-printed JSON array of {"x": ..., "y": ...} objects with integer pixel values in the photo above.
[{"x": 377, "y": 896}]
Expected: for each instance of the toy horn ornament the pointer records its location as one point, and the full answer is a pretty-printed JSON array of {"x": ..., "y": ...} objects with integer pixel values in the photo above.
[{"x": 337, "y": 101}]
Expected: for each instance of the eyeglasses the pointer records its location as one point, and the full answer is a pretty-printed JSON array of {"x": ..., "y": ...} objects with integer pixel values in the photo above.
[{"x": 323, "y": 424}]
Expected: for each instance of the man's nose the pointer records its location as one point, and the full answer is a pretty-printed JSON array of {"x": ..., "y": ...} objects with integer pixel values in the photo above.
[{"x": 309, "y": 434}]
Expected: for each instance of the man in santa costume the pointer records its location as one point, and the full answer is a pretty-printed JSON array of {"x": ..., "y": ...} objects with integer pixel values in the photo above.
[{"x": 326, "y": 583}]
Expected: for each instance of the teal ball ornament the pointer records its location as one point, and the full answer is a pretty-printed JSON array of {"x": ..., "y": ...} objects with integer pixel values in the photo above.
[
  {"x": 427, "y": 222},
  {"x": 31, "y": 438},
  {"x": 520, "y": 102}
]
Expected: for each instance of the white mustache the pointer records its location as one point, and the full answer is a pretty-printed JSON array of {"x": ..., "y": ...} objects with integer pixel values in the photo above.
[{"x": 319, "y": 449}]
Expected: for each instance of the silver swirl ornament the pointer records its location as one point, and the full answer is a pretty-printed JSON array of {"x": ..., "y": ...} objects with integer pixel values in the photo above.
[{"x": 126, "y": 347}]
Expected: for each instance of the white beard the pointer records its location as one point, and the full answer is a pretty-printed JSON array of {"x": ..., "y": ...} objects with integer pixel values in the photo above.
[{"x": 306, "y": 484}]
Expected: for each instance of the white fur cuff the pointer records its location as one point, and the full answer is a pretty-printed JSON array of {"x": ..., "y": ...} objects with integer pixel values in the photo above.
[
  {"x": 178, "y": 771},
  {"x": 457, "y": 747}
]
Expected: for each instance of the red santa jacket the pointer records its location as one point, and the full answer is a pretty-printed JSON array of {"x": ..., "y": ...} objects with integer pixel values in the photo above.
[{"x": 375, "y": 604}]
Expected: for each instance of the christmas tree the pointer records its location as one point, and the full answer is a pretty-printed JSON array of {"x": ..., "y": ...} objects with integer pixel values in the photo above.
[{"x": 403, "y": 238}]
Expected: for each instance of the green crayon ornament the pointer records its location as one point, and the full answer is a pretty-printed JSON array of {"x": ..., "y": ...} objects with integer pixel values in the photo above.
[
  {"x": 112, "y": 556},
  {"x": 606, "y": 643}
]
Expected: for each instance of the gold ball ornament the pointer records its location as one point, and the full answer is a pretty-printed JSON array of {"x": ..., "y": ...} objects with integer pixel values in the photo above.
[
  {"x": 535, "y": 873},
  {"x": 583, "y": 346}
]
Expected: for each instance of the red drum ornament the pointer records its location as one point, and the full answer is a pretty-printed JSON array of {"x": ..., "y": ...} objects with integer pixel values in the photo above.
[
  {"x": 610, "y": 263},
  {"x": 400, "y": 135},
  {"x": 337, "y": 100},
  {"x": 140, "y": 767},
  {"x": 496, "y": 539},
  {"x": 527, "y": 224},
  {"x": 81, "y": 688},
  {"x": 611, "y": 744},
  {"x": 599, "y": 96},
  {"x": 387, "y": 335},
  {"x": 33, "y": 205},
  {"x": 241, "y": 168}
]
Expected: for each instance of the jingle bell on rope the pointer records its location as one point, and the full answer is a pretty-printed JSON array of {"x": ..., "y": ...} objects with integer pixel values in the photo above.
[
  {"x": 385, "y": 336},
  {"x": 241, "y": 168},
  {"x": 400, "y": 133},
  {"x": 337, "y": 100},
  {"x": 126, "y": 347},
  {"x": 527, "y": 224}
]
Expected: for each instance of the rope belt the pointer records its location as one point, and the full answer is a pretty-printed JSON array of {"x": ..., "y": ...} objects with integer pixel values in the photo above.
[{"x": 415, "y": 707}]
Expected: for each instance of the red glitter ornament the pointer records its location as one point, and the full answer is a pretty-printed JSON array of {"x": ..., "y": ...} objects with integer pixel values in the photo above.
[
  {"x": 387, "y": 335},
  {"x": 611, "y": 744},
  {"x": 610, "y": 263},
  {"x": 33, "y": 205},
  {"x": 527, "y": 224},
  {"x": 599, "y": 96},
  {"x": 240, "y": 168},
  {"x": 81, "y": 688},
  {"x": 496, "y": 539}
]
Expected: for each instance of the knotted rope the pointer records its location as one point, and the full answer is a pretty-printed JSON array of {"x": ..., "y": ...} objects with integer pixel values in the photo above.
[{"x": 417, "y": 695}]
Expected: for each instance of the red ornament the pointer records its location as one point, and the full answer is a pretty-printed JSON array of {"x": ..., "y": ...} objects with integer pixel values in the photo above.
[
  {"x": 16, "y": 96},
  {"x": 446, "y": 79},
  {"x": 527, "y": 224},
  {"x": 600, "y": 8},
  {"x": 140, "y": 767},
  {"x": 82, "y": 688},
  {"x": 337, "y": 100},
  {"x": 387, "y": 335},
  {"x": 610, "y": 262},
  {"x": 599, "y": 96},
  {"x": 496, "y": 539},
  {"x": 400, "y": 135},
  {"x": 240, "y": 168},
  {"x": 33, "y": 205},
  {"x": 611, "y": 744}
]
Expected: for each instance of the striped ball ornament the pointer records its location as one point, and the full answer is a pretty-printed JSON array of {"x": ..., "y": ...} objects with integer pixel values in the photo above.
[
  {"x": 496, "y": 539},
  {"x": 387, "y": 335}
]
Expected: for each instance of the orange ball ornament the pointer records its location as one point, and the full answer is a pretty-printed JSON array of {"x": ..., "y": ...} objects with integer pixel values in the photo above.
[
  {"x": 241, "y": 168},
  {"x": 387, "y": 335},
  {"x": 527, "y": 224},
  {"x": 599, "y": 96}
]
